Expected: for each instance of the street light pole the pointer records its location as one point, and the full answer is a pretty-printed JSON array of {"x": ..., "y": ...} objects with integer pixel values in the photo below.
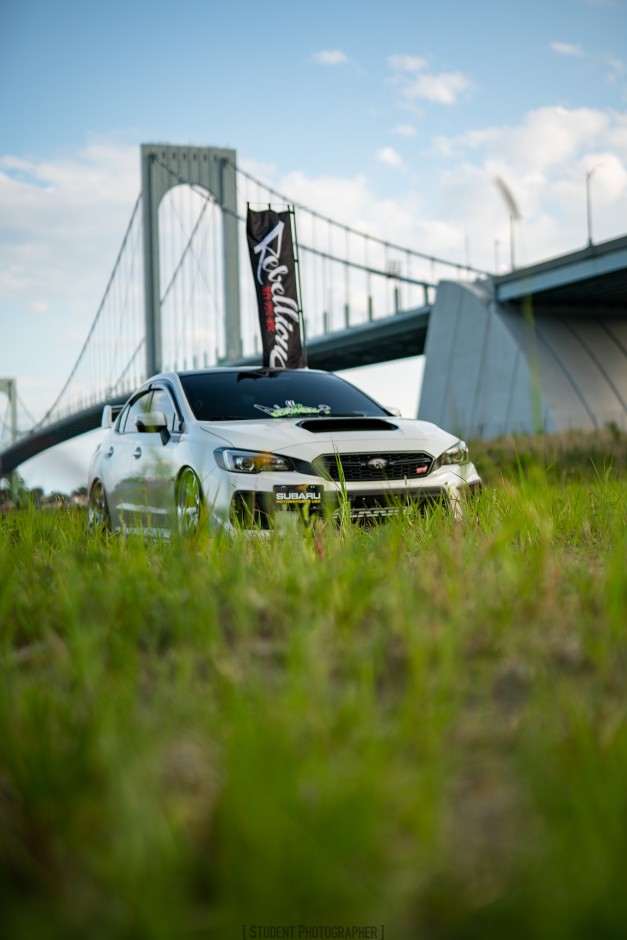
[
  {"x": 514, "y": 214},
  {"x": 512, "y": 250},
  {"x": 588, "y": 202}
]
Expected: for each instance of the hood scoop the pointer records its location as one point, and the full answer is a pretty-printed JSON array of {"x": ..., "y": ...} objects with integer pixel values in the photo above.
[{"x": 326, "y": 425}]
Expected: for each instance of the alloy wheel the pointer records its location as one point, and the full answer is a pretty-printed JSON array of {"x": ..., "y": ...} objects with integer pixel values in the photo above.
[
  {"x": 188, "y": 503},
  {"x": 98, "y": 513}
]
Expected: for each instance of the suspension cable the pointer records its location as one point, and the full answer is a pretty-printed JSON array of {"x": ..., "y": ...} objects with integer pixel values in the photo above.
[
  {"x": 353, "y": 231},
  {"x": 96, "y": 318},
  {"x": 129, "y": 363},
  {"x": 188, "y": 247},
  {"x": 124, "y": 300},
  {"x": 25, "y": 409}
]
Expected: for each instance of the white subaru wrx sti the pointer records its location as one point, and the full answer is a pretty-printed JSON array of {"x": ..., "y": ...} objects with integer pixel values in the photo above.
[{"x": 246, "y": 448}]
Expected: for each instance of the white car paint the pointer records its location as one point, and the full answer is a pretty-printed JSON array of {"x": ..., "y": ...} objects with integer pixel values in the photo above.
[{"x": 135, "y": 474}]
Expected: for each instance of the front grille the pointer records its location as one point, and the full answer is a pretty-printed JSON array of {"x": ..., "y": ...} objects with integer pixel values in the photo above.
[
  {"x": 363, "y": 468},
  {"x": 251, "y": 510},
  {"x": 371, "y": 508}
]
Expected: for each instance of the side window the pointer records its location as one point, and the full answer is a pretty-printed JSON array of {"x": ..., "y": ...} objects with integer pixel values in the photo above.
[
  {"x": 122, "y": 419},
  {"x": 162, "y": 401},
  {"x": 140, "y": 406}
]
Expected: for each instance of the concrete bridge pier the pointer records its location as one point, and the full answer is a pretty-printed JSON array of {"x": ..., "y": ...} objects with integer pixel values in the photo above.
[{"x": 502, "y": 368}]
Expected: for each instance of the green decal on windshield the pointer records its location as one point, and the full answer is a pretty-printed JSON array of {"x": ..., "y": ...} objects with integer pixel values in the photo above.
[{"x": 292, "y": 409}]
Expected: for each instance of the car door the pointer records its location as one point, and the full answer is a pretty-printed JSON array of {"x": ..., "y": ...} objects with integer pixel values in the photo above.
[
  {"x": 122, "y": 477},
  {"x": 153, "y": 453}
]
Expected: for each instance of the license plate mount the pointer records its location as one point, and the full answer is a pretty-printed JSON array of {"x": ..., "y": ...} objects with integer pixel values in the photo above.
[{"x": 289, "y": 495}]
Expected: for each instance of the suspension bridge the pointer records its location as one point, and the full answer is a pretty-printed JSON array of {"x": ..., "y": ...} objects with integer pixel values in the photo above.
[{"x": 181, "y": 295}]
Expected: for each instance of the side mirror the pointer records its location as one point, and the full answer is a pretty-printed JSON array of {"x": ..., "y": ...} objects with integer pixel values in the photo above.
[
  {"x": 151, "y": 422},
  {"x": 109, "y": 415}
]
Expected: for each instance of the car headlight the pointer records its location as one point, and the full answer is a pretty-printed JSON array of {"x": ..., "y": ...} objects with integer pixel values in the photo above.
[
  {"x": 458, "y": 453},
  {"x": 249, "y": 461}
]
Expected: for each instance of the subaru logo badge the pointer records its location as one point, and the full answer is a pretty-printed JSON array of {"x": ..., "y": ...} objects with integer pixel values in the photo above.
[{"x": 377, "y": 463}]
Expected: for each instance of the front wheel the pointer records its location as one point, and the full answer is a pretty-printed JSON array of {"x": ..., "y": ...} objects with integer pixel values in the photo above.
[
  {"x": 188, "y": 503},
  {"x": 98, "y": 516}
]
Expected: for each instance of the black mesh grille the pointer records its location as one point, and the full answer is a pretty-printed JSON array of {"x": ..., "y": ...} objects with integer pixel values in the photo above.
[
  {"x": 372, "y": 507},
  {"x": 252, "y": 510},
  {"x": 357, "y": 468}
]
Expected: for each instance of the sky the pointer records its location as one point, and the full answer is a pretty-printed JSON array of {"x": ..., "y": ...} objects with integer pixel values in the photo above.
[{"x": 395, "y": 118}]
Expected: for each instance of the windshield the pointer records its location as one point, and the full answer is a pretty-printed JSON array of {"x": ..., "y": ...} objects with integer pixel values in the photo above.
[{"x": 263, "y": 393}]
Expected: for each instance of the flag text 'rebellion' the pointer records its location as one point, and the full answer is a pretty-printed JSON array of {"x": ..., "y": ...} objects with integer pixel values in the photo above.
[{"x": 272, "y": 256}]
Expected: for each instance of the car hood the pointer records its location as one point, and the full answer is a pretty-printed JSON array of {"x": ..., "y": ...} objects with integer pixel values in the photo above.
[{"x": 287, "y": 436}]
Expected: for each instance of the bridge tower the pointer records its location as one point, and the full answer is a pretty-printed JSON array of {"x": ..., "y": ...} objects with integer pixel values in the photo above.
[
  {"x": 9, "y": 387},
  {"x": 165, "y": 166}
]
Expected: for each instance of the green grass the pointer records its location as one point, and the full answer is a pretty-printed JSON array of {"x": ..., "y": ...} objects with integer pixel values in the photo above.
[{"x": 420, "y": 725}]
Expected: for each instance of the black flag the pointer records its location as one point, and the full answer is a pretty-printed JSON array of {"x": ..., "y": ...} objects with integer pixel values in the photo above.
[{"x": 274, "y": 270}]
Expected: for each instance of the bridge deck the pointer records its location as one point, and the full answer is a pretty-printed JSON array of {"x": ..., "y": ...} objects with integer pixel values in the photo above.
[
  {"x": 594, "y": 278},
  {"x": 384, "y": 340}
]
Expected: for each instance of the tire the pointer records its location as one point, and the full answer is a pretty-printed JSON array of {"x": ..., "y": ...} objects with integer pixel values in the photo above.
[
  {"x": 189, "y": 503},
  {"x": 98, "y": 517}
]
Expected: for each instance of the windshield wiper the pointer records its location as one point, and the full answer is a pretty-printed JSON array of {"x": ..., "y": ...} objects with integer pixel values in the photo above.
[
  {"x": 346, "y": 414},
  {"x": 223, "y": 418}
]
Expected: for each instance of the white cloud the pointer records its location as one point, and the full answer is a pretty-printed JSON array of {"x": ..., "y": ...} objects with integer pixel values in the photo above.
[
  {"x": 411, "y": 75},
  {"x": 547, "y": 138},
  {"x": 616, "y": 69},
  {"x": 544, "y": 160},
  {"x": 330, "y": 57},
  {"x": 256, "y": 168},
  {"x": 334, "y": 196},
  {"x": 389, "y": 157},
  {"x": 566, "y": 48},
  {"x": 407, "y": 63},
  {"x": 444, "y": 88},
  {"x": 405, "y": 130}
]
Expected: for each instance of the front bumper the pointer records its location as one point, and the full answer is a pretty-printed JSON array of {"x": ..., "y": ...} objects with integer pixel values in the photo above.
[{"x": 252, "y": 504}]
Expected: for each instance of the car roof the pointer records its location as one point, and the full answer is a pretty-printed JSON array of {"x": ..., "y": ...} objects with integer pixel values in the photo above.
[{"x": 213, "y": 369}]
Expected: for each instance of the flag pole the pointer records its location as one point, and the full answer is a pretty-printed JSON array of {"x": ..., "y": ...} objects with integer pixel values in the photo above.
[{"x": 300, "y": 291}]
